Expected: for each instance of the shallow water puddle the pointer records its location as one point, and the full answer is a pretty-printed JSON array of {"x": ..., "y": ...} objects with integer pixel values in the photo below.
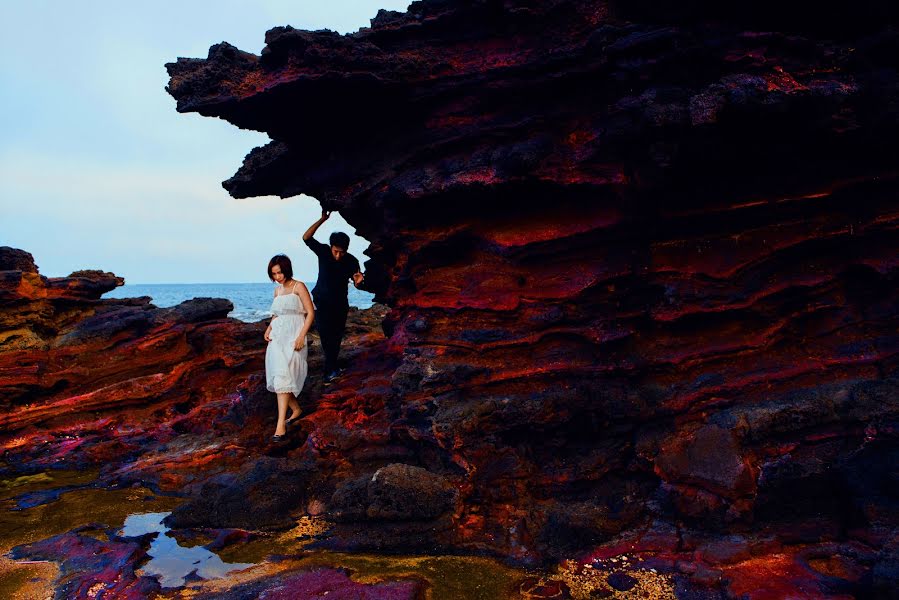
[
  {"x": 73, "y": 502},
  {"x": 44, "y": 481},
  {"x": 76, "y": 508},
  {"x": 171, "y": 562},
  {"x": 67, "y": 504}
]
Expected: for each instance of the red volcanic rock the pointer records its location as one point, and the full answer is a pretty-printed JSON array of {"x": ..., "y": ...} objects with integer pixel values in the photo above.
[
  {"x": 641, "y": 262},
  {"x": 394, "y": 492},
  {"x": 712, "y": 459},
  {"x": 397, "y": 506},
  {"x": 87, "y": 381},
  {"x": 319, "y": 584},
  {"x": 260, "y": 499},
  {"x": 171, "y": 398},
  {"x": 92, "y": 568},
  {"x": 13, "y": 259},
  {"x": 708, "y": 475}
]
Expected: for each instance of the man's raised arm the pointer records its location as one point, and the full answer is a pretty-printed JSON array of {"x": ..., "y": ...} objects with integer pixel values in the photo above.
[{"x": 314, "y": 227}]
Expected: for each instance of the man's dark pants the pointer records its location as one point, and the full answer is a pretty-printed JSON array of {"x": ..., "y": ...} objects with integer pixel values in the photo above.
[{"x": 330, "y": 320}]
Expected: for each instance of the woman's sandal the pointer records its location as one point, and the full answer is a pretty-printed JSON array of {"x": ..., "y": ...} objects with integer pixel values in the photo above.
[
  {"x": 278, "y": 438},
  {"x": 292, "y": 420}
]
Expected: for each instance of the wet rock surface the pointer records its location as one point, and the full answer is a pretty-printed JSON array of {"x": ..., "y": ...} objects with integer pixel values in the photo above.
[
  {"x": 262, "y": 499},
  {"x": 396, "y": 492},
  {"x": 320, "y": 584},
  {"x": 92, "y": 568}
]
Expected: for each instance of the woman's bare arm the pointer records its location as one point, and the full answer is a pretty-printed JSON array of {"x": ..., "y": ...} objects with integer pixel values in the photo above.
[
  {"x": 306, "y": 300},
  {"x": 268, "y": 330}
]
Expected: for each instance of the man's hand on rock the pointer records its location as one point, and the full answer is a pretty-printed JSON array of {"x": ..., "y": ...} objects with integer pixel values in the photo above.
[{"x": 358, "y": 278}]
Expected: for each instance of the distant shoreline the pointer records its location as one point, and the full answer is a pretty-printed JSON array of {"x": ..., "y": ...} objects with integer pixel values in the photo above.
[
  {"x": 251, "y": 300},
  {"x": 308, "y": 283}
]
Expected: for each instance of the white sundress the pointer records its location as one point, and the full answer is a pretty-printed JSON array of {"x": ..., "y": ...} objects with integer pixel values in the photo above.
[{"x": 285, "y": 368}]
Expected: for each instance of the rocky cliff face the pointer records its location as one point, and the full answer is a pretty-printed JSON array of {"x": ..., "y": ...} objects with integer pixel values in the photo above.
[
  {"x": 641, "y": 259},
  {"x": 90, "y": 382},
  {"x": 641, "y": 263},
  {"x": 168, "y": 397}
]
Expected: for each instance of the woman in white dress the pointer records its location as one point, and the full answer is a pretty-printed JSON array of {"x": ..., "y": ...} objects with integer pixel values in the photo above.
[{"x": 285, "y": 357}]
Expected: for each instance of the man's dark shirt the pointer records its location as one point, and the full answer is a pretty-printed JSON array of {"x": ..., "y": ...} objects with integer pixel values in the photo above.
[{"x": 333, "y": 274}]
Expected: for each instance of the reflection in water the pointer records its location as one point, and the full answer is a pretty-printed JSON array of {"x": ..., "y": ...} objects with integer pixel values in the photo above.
[
  {"x": 170, "y": 561},
  {"x": 469, "y": 577}
]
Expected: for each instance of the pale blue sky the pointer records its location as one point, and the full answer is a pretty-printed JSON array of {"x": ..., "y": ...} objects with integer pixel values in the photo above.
[{"x": 97, "y": 170}]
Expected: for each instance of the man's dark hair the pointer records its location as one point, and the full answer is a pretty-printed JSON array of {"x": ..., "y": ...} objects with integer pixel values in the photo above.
[
  {"x": 282, "y": 261},
  {"x": 341, "y": 240}
]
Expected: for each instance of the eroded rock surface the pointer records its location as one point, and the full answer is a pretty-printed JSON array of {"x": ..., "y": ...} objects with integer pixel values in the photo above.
[
  {"x": 119, "y": 383},
  {"x": 92, "y": 568},
  {"x": 641, "y": 259},
  {"x": 641, "y": 267}
]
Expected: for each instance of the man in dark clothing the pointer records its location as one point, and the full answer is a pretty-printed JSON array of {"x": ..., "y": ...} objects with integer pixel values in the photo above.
[{"x": 336, "y": 267}]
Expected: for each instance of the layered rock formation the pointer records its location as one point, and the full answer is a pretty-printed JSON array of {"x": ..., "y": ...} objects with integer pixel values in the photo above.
[
  {"x": 642, "y": 267},
  {"x": 109, "y": 382},
  {"x": 165, "y": 396}
]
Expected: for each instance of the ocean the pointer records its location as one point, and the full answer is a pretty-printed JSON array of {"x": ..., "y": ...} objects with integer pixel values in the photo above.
[{"x": 251, "y": 300}]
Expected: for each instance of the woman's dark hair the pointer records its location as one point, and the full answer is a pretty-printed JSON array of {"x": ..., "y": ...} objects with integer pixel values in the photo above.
[
  {"x": 340, "y": 239},
  {"x": 282, "y": 261}
]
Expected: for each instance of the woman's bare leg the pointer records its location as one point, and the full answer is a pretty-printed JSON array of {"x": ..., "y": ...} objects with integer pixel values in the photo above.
[
  {"x": 283, "y": 399},
  {"x": 295, "y": 410}
]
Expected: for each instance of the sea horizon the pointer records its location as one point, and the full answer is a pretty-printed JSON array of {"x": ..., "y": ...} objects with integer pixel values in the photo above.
[
  {"x": 251, "y": 300},
  {"x": 309, "y": 284}
]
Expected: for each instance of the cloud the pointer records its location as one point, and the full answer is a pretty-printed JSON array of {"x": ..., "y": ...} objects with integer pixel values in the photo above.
[
  {"x": 97, "y": 169},
  {"x": 150, "y": 224}
]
